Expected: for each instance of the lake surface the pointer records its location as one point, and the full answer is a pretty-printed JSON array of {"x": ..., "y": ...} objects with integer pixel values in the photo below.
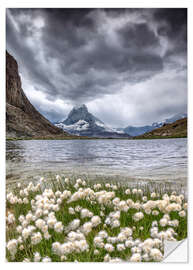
[{"x": 160, "y": 160}]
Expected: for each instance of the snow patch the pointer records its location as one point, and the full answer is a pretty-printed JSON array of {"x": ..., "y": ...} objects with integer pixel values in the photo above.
[{"x": 78, "y": 126}]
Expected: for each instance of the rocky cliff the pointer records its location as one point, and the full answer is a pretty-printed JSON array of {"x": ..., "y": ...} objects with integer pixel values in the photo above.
[{"x": 22, "y": 119}]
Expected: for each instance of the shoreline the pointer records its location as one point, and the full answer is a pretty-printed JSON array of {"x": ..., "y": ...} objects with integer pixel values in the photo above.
[{"x": 90, "y": 138}]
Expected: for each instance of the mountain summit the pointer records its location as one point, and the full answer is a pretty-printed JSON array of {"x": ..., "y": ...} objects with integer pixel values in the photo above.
[
  {"x": 81, "y": 122},
  {"x": 80, "y": 113}
]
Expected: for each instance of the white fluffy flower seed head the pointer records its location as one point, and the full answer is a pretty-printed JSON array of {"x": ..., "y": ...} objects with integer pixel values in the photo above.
[
  {"x": 103, "y": 234},
  {"x": 58, "y": 227},
  {"x": 136, "y": 257},
  {"x": 74, "y": 224},
  {"x": 109, "y": 247},
  {"x": 37, "y": 257},
  {"x": 40, "y": 223},
  {"x": 163, "y": 222},
  {"x": 26, "y": 233},
  {"x": 71, "y": 211},
  {"x": 120, "y": 247},
  {"x": 115, "y": 223},
  {"x": 10, "y": 218},
  {"x": 36, "y": 238},
  {"x": 182, "y": 213},
  {"x": 87, "y": 227},
  {"x": 95, "y": 220},
  {"x": 12, "y": 246},
  {"x": 138, "y": 216},
  {"x": 127, "y": 191},
  {"x": 46, "y": 259},
  {"x": 86, "y": 213},
  {"x": 156, "y": 254}
]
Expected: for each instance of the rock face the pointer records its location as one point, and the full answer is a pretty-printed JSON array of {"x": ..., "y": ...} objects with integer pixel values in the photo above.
[
  {"x": 178, "y": 129},
  {"x": 81, "y": 122},
  {"x": 22, "y": 119}
]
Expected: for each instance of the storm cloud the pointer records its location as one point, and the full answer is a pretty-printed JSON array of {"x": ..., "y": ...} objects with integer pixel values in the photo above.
[{"x": 127, "y": 65}]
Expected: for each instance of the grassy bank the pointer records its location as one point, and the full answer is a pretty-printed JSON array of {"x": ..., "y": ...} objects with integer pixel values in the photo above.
[
  {"x": 89, "y": 138},
  {"x": 157, "y": 137},
  {"x": 78, "y": 220}
]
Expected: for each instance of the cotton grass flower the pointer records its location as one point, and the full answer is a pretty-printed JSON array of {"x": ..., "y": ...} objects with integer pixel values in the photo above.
[
  {"x": 107, "y": 258},
  {"x": 36, "y": 238},
  {"x": 40, "y": 223},
  {"x": 26, "y": 232},
  {"x": 182, "y": 213},
  {"x": 37, "y": 257},
  {"x": 46, "y": 259},
  {"x": 10, "y": 218},
  {"x": 115, "y": 223},
  {"x": 71, "y": 211},
  {"x": 156, "y": 254},
  {"x": 95, "y": 220},
  {"x": 26, "y": 260},
  {"x": 86, "y": 213},
  {"x": 153, "y": 195},
  {"x": 163, "y": 222},
  {"x": 129, "y": 243},
  {"x": 58, "y": 227},
  {"x": 134, "y": 191},
  {"x": 103, "y": 234},
  {"x": 185, "y": 206},
  {"x": 98, "y": 242},
  {"x": 74, "y": 224},
  {"x": 120, "y": 247},
  {"x": 12, "y": 246},
  {"x": 138, "y": 216},
  {"x": 96, "y": 252},
  {"x": 127, "y": 191},
  {"x": 86, "y": 228},
  {"x": 109, "y": 248},
  {"x": 136, "y": 257},
  {"x": 96, "y": 213},
  {"x": 155, "y": 213}
]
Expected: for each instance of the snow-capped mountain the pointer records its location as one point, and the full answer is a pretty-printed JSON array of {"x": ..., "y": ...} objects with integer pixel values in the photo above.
[
  {"x": 135, "y": 131},
  {"x": 82, "y": 123}
]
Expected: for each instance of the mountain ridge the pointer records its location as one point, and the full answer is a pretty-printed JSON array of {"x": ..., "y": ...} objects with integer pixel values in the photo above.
[
  {"x": 177, "y": 129},
  {"x": 136, "y": 131},
  {"x": 22, "y": 118}
]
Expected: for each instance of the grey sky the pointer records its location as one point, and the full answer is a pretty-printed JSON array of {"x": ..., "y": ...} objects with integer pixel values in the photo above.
[{"x": 127, "y": 65}]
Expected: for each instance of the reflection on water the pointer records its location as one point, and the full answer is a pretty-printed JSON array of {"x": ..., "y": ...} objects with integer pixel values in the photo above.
[{"x": 153, "y": 159}]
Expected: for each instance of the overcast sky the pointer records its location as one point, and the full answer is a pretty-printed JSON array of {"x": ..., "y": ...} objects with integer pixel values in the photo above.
[{"x": 128, "y": 66}]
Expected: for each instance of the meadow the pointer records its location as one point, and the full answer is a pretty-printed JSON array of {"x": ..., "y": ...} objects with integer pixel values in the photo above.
[{"x": 66, "y": 220}]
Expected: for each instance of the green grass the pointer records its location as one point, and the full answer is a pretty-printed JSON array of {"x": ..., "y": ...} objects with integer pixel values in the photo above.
[{"x": 126, "y": 220}]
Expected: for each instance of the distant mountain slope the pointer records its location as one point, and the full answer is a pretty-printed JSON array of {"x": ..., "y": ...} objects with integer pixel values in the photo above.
[
  {"x": 177, "y": 129},
  {"x": 22, "y": 119},
  {"x": 81, "y": 122},
  {"x": 135, "y": 131}
]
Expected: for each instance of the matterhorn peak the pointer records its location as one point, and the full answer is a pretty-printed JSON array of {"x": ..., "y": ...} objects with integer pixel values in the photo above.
[
  {"x": 80, "y": 106},
  {"x": 81, "y": 122}
]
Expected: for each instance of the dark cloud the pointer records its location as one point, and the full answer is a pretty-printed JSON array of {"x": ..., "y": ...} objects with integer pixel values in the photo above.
[
  {"x": 175, "y": 19},
  {"x": 173, "y": 25},
  {"x": 83, "y": 55},
  {"x": 138, "y": 36}
]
